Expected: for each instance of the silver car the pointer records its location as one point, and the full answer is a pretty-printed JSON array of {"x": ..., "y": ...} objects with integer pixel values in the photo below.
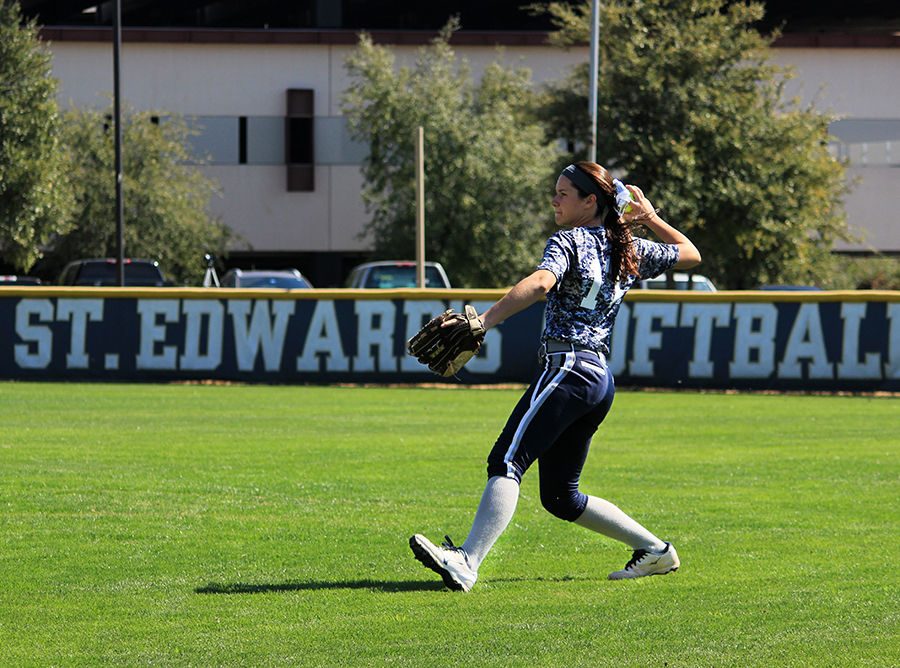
[
  {"x": 681, "y": 281},
  {"x": 396, "y": 274},
  {"x": 285, "y": 279}
]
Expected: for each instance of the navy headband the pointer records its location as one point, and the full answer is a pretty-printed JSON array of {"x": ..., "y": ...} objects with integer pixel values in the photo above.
[{"x": 586, "y": 184}]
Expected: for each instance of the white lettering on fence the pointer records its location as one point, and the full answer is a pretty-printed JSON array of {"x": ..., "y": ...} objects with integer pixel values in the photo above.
[
  {"x": 323, "y": 338},
  {"x": 702, "y": 317},
  {"x": 153, "y": 332},
  {"x": 261, "y": 333},
  {"x": 645, "y": 337},
  {"x": 196, "y": 310},
  {"x": 806, "y": 341},
  {"x": 892, "y": 366},
  {"x": 853, "y": 313},
  {"x": 379, "y": 336},
  {"x": 38, "y": 336},
  {"x": 749, "y": 337},
  {"x": 79, "y": 311}
]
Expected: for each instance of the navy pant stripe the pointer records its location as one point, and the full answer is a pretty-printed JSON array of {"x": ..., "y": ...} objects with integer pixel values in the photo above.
[
  {"x": 553, "y": 423},
  {"x": 535, "y": 406}
]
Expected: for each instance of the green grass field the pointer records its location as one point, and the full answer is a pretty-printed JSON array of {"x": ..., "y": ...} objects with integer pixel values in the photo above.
[{"x": 256, "y": 525}]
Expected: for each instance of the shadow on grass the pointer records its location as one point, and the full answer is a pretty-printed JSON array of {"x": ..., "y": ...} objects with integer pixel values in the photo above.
[
  {"x": 539, "y": 578},
  {"x": 377, "y": 585}
]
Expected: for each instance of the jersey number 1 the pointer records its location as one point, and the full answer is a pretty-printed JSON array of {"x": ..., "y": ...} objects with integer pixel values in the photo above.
[{"x": 590, "y": 299}]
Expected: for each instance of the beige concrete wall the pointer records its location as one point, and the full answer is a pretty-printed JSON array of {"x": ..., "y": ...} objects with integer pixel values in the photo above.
[
  {"x": 256, "y": 204},
  {"x": 872, "y": 208},
  {"x": 241, "y": 79},
  {"x": 860, "y": 83},
  {"x": 202, "y": 79}
]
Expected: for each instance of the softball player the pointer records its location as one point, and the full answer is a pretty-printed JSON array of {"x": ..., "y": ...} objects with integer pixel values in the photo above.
[{"x": 587, "y": 268}]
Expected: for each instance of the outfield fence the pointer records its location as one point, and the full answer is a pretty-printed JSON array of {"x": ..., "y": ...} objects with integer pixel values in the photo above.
[{"x": 729, "y": 339}]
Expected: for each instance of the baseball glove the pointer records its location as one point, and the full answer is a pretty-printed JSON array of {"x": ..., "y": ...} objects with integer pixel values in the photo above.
[{"x": 448, "y": 341}]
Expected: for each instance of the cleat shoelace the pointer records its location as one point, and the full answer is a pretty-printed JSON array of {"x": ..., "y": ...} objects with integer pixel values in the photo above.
[
  {"x": 636, "y": 556},
  {"x": 448, "y": 545}
]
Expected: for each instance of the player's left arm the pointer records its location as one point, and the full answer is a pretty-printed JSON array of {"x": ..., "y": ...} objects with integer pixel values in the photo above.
[
  {"x": 688, "y": 255},
  {"x": 522, "y": 295}
]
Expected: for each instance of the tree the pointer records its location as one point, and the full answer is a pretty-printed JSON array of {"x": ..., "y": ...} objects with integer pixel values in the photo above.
[
  {"x": 34, "y": 197},
  {"x": 488, "y": 167},
  {"x": 692, "y": 110},
  {"x": 165, "y": 196}
]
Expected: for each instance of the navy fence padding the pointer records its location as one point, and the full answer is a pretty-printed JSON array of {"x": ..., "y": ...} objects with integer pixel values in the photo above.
[{"x": 803, "y": 341}]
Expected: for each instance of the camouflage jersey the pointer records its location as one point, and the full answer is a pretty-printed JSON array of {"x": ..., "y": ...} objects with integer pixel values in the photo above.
[{"x": 582, "y": 306}]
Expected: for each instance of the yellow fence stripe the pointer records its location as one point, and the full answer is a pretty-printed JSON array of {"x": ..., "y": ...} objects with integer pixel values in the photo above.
[{"x": 431, "y": 293}]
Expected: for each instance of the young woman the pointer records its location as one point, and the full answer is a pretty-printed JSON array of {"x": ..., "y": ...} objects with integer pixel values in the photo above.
[{"x": 587, "y": 268}]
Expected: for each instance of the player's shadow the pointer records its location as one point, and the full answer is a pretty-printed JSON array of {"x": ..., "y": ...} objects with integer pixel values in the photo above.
[
  {"x": 376, "y": 585},
  {"x": 389, "y": 587}
]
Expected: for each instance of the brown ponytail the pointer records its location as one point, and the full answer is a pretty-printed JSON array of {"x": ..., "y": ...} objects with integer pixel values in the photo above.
[{"x": 624, "y": 259}]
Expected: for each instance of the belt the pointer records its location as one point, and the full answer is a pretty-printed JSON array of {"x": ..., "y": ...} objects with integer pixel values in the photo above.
[
  {"x": 551, "y": 346},
  {"x": 554, "y": 346}
]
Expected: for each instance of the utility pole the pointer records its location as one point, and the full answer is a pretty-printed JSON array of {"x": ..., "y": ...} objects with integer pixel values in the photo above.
[
  {"x": 420, "y": 207},
  {"x": 117, "y": 124},
  {"x": 592, "y": 91}
]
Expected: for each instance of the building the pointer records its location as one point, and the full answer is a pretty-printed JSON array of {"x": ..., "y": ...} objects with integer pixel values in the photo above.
[{"x": 262, "y": 84}]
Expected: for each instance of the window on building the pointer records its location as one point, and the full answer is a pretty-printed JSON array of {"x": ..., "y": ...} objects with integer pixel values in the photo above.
[{"x": 298, "y": 149}]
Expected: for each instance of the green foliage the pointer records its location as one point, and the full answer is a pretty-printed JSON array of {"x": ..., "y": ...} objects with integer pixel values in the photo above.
[
  {"x": 489, "y": 170},
  {"x": 879, "y": 272},
  {"x": 57, "y": 190},
  {"x": 165, "y": 198},
  {"x": 34, "y": 197},
  {"x": 691, "y": 109},
  {"x": 186, "y": 525}
]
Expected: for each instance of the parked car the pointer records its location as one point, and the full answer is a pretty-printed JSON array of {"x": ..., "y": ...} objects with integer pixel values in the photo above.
[
  {"x": 683, "y": 281},
  {"x": 286, "y": 279},
  {"x": 396, "y": 274},
  {"x": 19, "y": 280},
  {"x": 104, "y": 272}
]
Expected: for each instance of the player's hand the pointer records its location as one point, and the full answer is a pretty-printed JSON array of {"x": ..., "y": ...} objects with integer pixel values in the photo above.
[{"x": 641, "y": 208}]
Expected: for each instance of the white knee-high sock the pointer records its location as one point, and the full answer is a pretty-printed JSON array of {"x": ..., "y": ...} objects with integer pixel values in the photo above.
[
  {"x": 498, "y": 503},
  {"x": 604, "y": 517}
]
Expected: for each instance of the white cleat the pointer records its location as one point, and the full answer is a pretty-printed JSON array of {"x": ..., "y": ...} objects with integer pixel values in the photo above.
[
  {"x": 645, "y": 562},
  {"x": 448, "y": 561}
]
